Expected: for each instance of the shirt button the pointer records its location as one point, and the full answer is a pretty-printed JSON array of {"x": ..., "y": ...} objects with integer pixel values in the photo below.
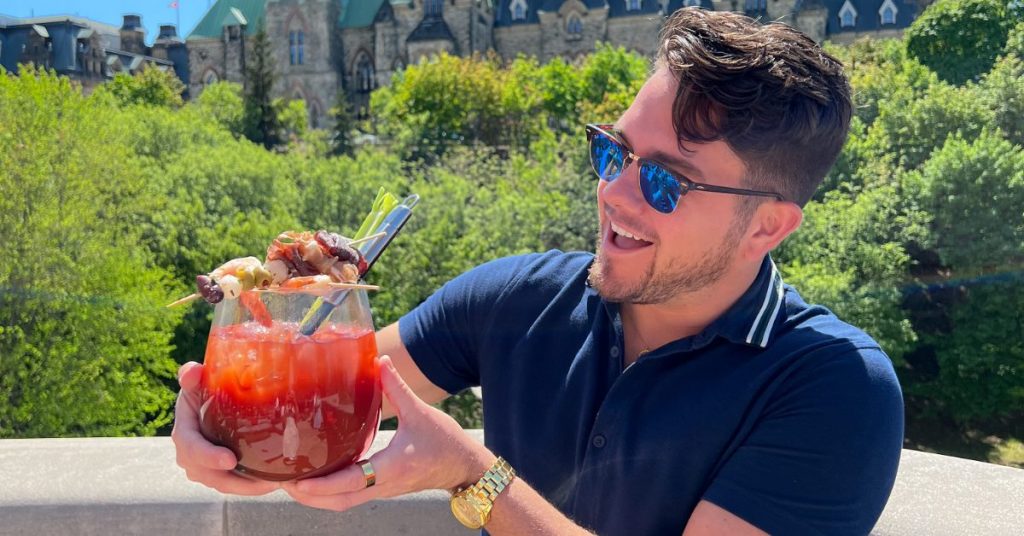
[
  {"x": 615, "y": 351},
  {"x": 598, "y": 441}
]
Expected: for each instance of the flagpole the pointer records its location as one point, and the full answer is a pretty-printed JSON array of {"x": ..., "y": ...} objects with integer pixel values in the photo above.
[{"x": 177, "y": 15}]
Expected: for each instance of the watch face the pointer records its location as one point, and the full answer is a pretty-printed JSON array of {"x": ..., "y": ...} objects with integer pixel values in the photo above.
[{"x": 466, "y": 512}]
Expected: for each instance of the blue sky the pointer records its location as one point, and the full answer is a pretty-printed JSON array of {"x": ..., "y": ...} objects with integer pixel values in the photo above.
[{"x": 154, "y": 12}]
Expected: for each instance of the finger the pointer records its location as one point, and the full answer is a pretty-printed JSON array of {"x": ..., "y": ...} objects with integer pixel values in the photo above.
[
  {"x": 399, "y": 393},
  {"x": 231, "y": 483},
  {"x": 347, "y": 480},
  {"x": 337, "y": 503},
  {"x": 190, "y": 375},
  {"x": 191, "y": 448}
]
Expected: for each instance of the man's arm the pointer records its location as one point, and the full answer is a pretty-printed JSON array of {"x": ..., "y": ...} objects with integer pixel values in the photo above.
[
  {"x": 709, "y": 519},
  {"x": 389, "y": 343},
  {"x": 431, "y": 451}
]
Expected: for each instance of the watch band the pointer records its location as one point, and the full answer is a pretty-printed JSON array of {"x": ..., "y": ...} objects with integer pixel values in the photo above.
[
  {"x": 495, "y": 480},
  {"x": 472, "y": 505}
]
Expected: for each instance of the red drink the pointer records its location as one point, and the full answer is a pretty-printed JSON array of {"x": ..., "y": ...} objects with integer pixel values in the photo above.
[{"x": 291, "y": 405}]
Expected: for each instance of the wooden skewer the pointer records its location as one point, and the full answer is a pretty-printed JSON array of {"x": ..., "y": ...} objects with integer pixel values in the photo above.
[
  {"x": 184, "y": 300},
  {"x": 355, "y": 286},
  {"x": 367, "y": 238},
  {"x": 352, "y": 286},
  {"x": 319, "y": 286}
]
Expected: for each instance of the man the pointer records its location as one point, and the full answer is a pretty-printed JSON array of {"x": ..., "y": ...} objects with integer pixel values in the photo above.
[{"x": 670, "y": 383}]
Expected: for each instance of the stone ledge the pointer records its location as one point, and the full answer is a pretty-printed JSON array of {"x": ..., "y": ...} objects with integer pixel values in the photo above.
[{"x": 132, "y": 486}]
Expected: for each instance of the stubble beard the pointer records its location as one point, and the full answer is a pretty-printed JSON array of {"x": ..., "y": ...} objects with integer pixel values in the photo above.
[{"x": 676, "y": 279}]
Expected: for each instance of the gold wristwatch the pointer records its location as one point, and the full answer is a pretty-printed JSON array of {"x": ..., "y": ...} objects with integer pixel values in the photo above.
[{"x": 472, "y": 505}]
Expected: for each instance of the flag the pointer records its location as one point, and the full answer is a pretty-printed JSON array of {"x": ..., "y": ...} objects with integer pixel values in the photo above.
[{"x": 174, "y": 5}]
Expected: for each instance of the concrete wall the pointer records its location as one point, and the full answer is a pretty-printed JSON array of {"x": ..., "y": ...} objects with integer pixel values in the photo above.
[{"x": 108, "y": 486}]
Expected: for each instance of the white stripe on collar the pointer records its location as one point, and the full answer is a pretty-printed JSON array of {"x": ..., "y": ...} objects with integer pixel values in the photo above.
[
  {"x": 777, "y": 284},
  {"x": 774, "y": 290}
]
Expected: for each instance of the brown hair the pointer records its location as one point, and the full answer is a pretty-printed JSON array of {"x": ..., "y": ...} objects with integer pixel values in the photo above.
[{"x": 770, "y": 92}]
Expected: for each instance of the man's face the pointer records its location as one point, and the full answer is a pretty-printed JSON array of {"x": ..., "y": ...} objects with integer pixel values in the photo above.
[{"x": 673, "y": 254}]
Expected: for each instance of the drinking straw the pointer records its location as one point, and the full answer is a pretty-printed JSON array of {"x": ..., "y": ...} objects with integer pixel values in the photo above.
[{"x": 371, "y": 250}]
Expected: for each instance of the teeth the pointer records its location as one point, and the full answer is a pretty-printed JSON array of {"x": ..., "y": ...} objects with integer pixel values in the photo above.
[{"x": 620, "y": 231}]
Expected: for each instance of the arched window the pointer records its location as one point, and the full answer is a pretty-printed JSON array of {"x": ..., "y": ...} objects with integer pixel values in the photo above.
[
  {"x": 847, "y": 15},
  {"x": 887, "y": 13},
  {"x": 888, "y": 16},
  {"x": 432, "y": 8},
  {"x": 364, "y": 74},
  {"x": 633, "y": 5},
  {"x": 210, "y": 77},
  {"x": 296, "y": 47},
  {"x": 518, "y": 8},
  {"x": 398, "y": 65},
  {"x": 574, "y": 26}
]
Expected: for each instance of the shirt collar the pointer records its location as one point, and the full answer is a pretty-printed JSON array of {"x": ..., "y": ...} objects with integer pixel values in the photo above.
[{"x": 754, "y": 318}]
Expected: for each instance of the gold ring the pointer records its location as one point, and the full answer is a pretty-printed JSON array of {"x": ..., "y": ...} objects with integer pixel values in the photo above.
[{"x": 368, "y": 473}]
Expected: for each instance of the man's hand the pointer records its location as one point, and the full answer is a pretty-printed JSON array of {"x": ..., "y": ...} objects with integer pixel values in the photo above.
[
  {"x": 428, "y": 451},
  {"x": 203, "y": 461}
]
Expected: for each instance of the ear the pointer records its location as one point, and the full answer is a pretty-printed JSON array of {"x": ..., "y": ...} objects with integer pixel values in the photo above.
[{"x": 770, "y": 225}]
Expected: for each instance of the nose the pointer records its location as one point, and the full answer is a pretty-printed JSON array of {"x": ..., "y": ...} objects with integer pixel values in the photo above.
[{"x": 624, "y": 191}]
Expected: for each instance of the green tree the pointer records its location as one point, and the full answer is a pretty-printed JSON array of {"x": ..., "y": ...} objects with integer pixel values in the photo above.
[
  {"x": 294, "y": 118},
  {"x": 152, "y": 87},
  {"x": 974, "y": 189},
  {"x": 451, "y": 100},
  {"x": 262, "y": 113},
  {"x": 84, "y": 337},
  {"x": 1002, "y": 90},
  {"x": 907, "y": 130},
  {"x": 969, "y": 312},
  {"x": 1015, "y": 41},
  {"x": 611, "y": 76},
  {"x": 960, "y": 39},
  {"x": 223, "y": 103},
  {"x": 344, "y": 126}
]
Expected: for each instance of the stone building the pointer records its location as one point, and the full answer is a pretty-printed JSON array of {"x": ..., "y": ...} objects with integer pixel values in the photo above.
[
  {"x": 322, "y": 47},
  {"x": 87, "y": 51}
]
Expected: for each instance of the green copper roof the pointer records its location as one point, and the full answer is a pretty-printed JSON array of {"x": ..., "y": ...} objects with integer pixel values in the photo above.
[
  {"x": 358, "y": 13},
  {"x": 353, "y": 14},
  {"x": 221, "y": 13}
]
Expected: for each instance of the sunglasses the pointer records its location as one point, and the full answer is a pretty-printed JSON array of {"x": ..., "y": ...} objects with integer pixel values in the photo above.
[{"x": 662, "y": 188}]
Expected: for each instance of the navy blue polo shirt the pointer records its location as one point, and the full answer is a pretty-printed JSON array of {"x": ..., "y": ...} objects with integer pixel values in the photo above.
[{"x": 777, "y": 412}]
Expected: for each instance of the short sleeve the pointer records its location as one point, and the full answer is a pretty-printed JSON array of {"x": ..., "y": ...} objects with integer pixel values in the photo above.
[
  {"x": 443, "y": 334},
  {"x": 823, "y": 458}
]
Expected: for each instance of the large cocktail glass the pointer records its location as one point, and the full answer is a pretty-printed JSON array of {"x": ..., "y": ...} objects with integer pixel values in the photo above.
[{"x": 289, "y": 405}]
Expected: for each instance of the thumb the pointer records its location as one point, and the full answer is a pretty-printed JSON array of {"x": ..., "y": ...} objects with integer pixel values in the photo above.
[
  {"x": 399, "y": 393},
  {"x": 190, "y": 375}
]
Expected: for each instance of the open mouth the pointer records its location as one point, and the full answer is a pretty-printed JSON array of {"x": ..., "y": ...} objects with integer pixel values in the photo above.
[{"x": 623, "y": 239}]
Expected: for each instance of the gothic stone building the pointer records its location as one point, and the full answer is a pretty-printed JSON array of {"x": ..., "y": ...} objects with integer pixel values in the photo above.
[
  {"x": 87, "y": 51},
  {"x": 325, "y": 46}
]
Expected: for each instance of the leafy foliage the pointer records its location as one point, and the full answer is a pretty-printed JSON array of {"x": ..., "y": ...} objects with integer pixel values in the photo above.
[
  {"x": 84, "y": 339},
  {"x": 223, "y": 103},
  {"x": 151, "y": 86},
  {"x": 960, "y": 39},
  {"x": 917, "y": 235}
]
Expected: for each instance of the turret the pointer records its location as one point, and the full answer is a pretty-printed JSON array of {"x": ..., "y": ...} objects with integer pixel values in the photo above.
[{"x": 133, "y": 35}]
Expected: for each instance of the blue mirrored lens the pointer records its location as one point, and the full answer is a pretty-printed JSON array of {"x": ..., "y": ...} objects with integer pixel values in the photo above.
[
  {"x": 660, "y": 188},
  {"x": 606, "y": 156}
]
